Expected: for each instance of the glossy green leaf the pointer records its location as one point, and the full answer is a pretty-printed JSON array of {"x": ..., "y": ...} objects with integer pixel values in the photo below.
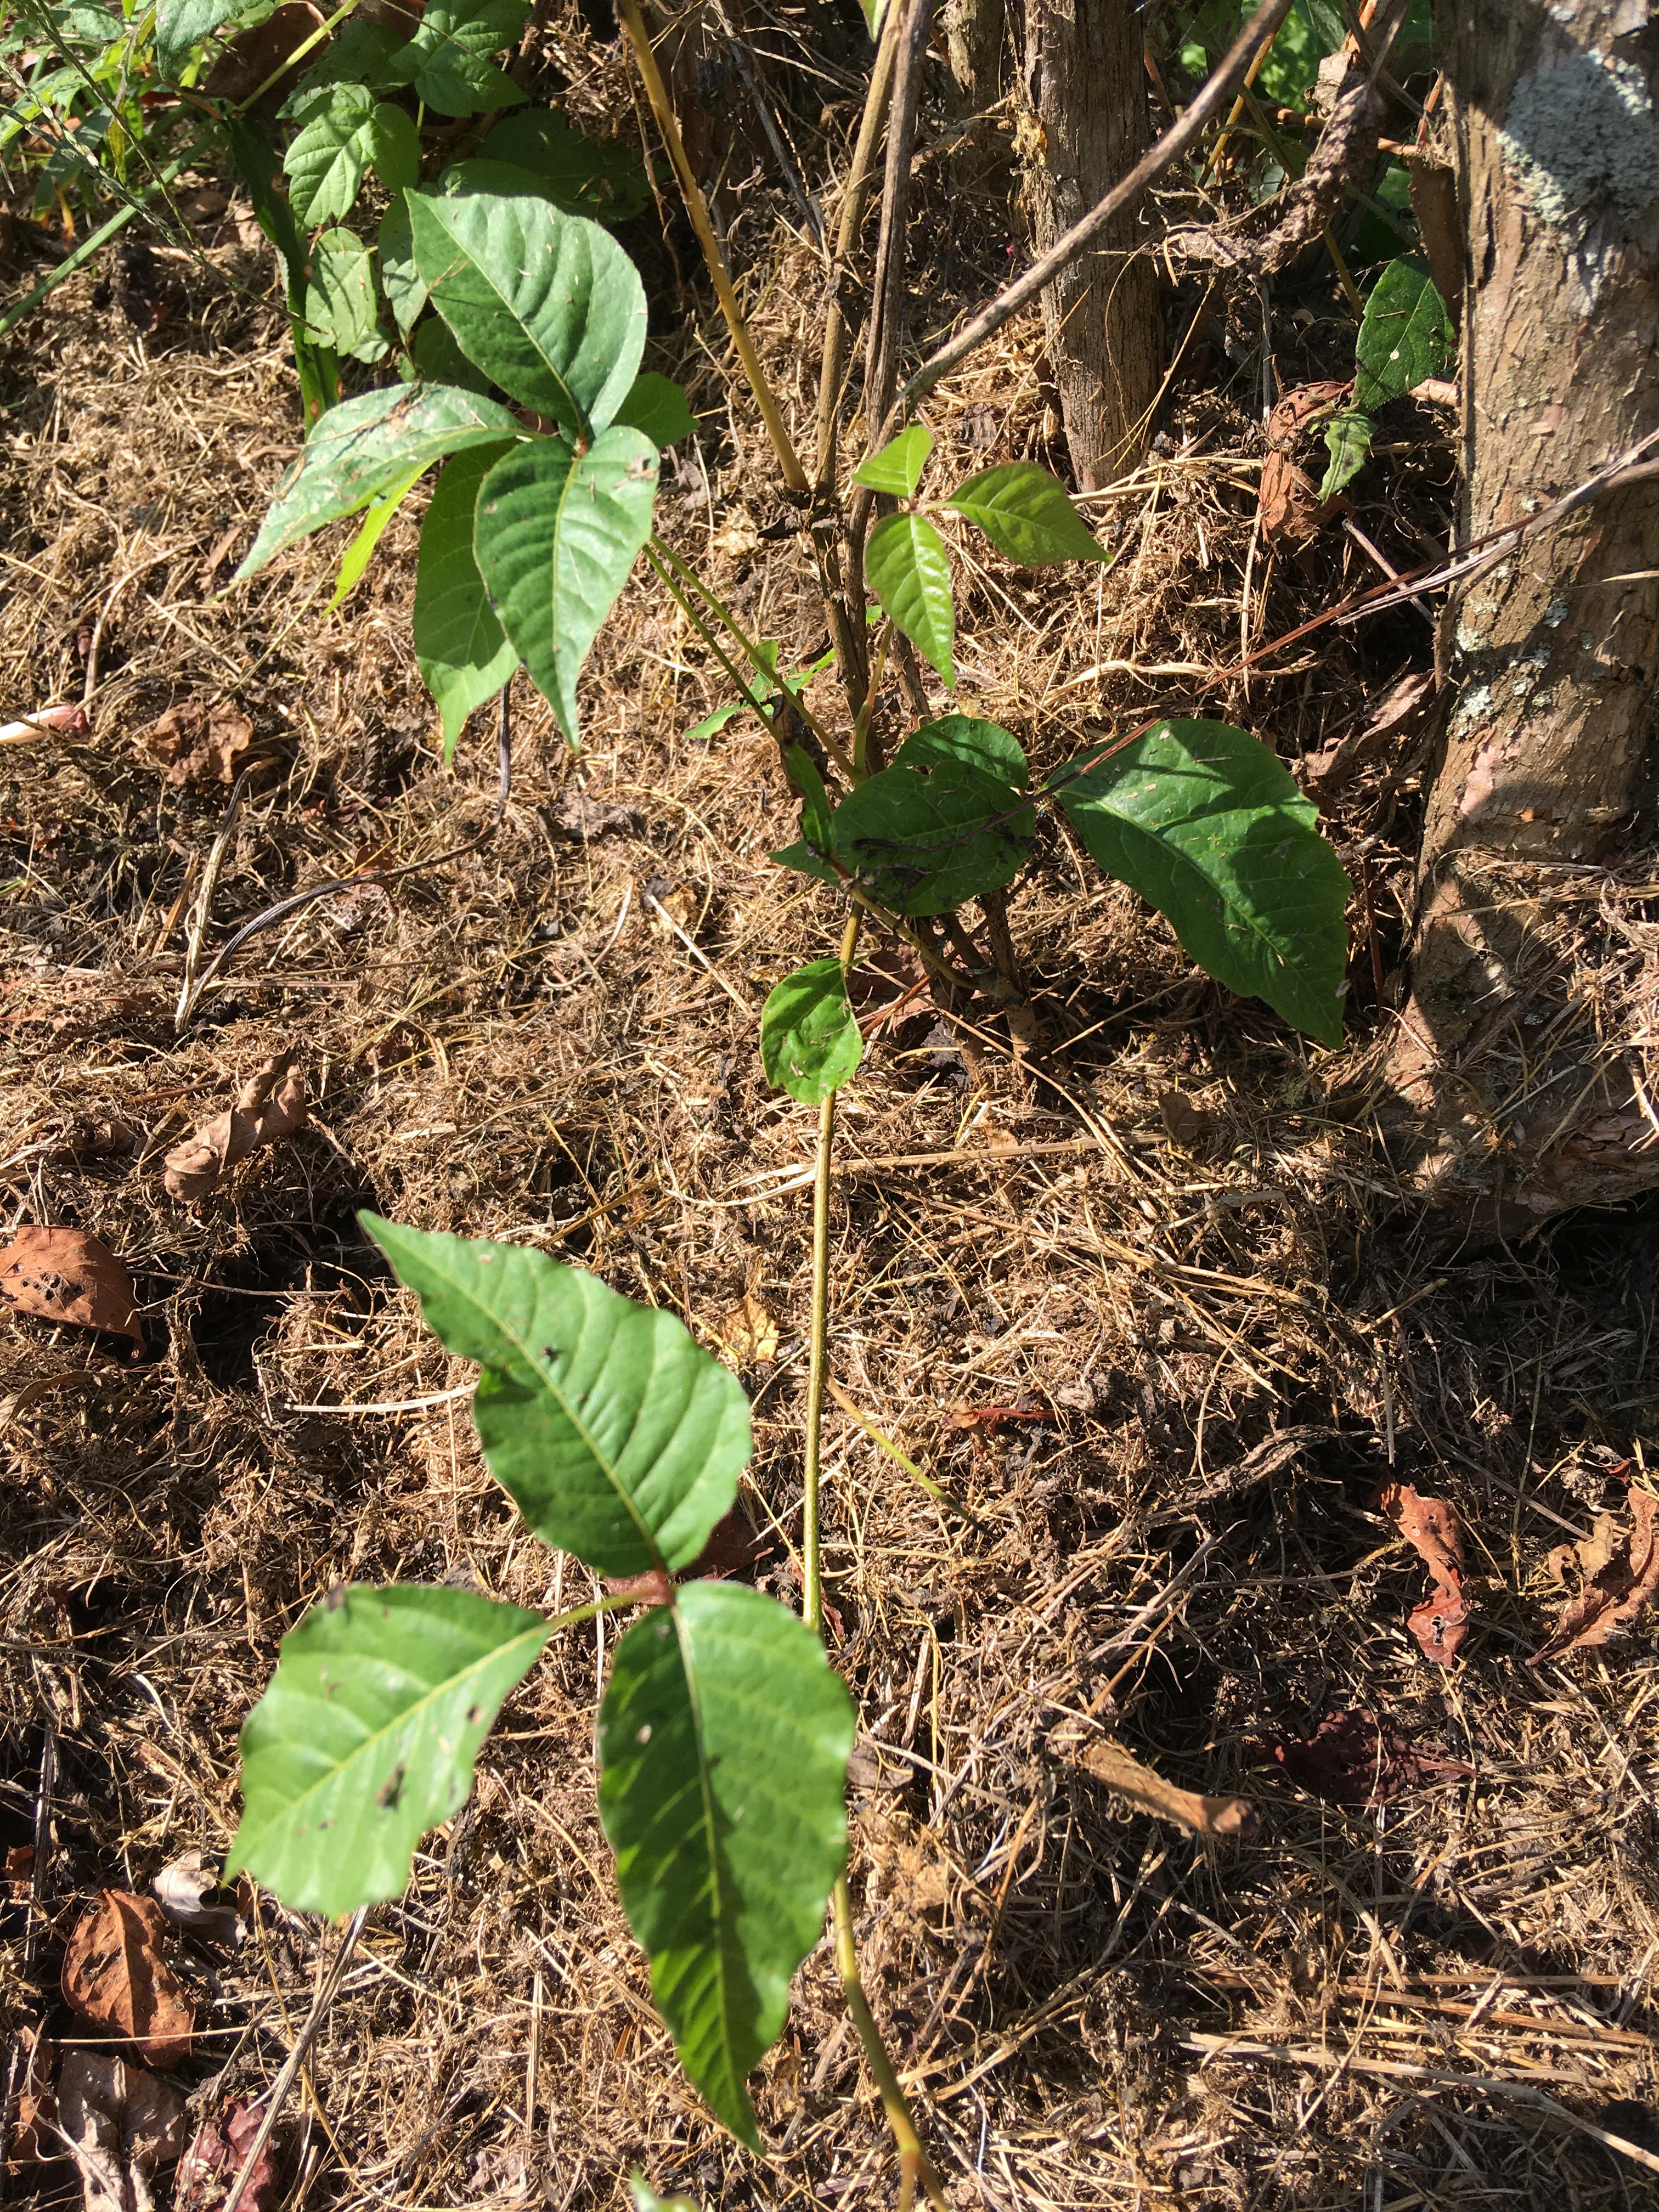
[
  {"x": 393, "y": 145},
  {"x": 435, "y": 358},
  {"x": 604, "y": 178},
  {"x": 447, "y": 60},
  {"x": 1207, "y": 825},
  {"x": 325, "y": 160},
  {"x": 874, "y": 10},
  {"x": 1348, "y": 441},
  {"x": 367, "y": 1736},
  {"x": 364, "y": 446},
  {"x": 724, "y": 1738},
  {"x": 360, "y": 551},
  {"x": 182, "y": 24},
  {"x": 617, "y": 1436},
  {"x": 400, "y": 280},
  {"x": 909, "y": 572},
  {"x": 504, "y": 179},
  {"x": 948, "y": 821},
  {"x": 809, "y": 1040},
  {"x": 360, "y": 52},
  {"x": 341, "y": 306},
  {"x": 463, "y": 657},
  {"x": 816, "y": 821},
  {"x": 546, "y": 303},
  {"x": 657, "y": 405},
  {"x": 1027, "y": 514},
  {"x": 1405, "y": 335},
  {"x": 556, "y": 534},
  {"x": 897, "y": 467}
]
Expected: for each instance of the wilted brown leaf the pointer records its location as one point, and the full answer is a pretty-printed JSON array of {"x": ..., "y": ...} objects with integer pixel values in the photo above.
[
  {"x": 733, "y": 1546},
  {"x": 269, "y": 1106},
  {"x": 34, "y": 2138},
  {"x": 1431, "y": 1527},
  {"x": 213, "y": 2161},
  {"x": 114, "y": 1973},
  {"x": 198, "y": 745},
  {"x": 64, "y": 1275},
  {"x": 1291, "y": 509},
  {"x": 122, "y": 2124},
  {"x": 182, "y": 1889},
  {"x": 252, "y": 55},
  {"x": 1185, "y": 1122},
  {"x": 1620, "y": 1573},
  {"x": 20, "y": 1872},
  {"x": 1360, "y": 1759},
  {"x": 1217, "y": 1819},
  {"x": 749, "y": 1333}
]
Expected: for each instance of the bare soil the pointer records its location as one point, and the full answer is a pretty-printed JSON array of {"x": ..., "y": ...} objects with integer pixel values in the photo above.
[{"x": 1157, "y": 1238}]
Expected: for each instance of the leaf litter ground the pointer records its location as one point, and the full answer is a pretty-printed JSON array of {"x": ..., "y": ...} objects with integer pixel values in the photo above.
[{"x": 1143, "y": 1306}]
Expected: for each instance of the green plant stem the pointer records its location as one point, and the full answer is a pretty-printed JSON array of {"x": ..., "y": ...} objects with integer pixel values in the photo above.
[
  {"x": 913, "y": 2162},
  {"x": 696, "y": 207},
  {"x": 751, "y": 652},
  {"x": 818, "y": 1360},
  {"x": 101, "y": 236},
  {"x": 654, "y": 552}
]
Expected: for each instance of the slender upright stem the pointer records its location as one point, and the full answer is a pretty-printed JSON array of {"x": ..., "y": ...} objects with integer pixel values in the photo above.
[
  {"x": 697, "y": 208},
  {"x": 854, "y": 205},
  {"x": 812, "y": 1548},
  {"x": 913, "y": 2162}
]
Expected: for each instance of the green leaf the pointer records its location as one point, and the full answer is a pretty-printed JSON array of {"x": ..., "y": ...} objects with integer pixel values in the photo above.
[
  {"x": 367, "y": 1736},
  {"x": 909, "y": 572},
  {"x": 504, "y": 179},
  {"x": 364, "y": 446},
  {"x": 809, "y": 1040},
  {"x": 946, "y": 822},
  {"x": 463, "y": 657},
  {"x": 646, "y": 2198},
  {"x": 1207, "y": 825},
  {"x": 897, "y": 467},
  {"x": 400, "y": 280},
  {"x": 873, "y": 12},
  {"x": 556, "y": 535},
  {"x": 546, "y": 303},
  {"x": 436, "y": 358},
  {"x": 724, "y": 1738},
  {"x": 618, "y": 1437},
  {"x": 602, "y": 178},
  {"x": 360, "y": 52},
  {"x": 1027, "y": 514},
  {"x": 1347, "y": 440},
  {"x": 394, "y": 146},
  {"x": 361, "y": 550},
  {"x": 816, "y": 824},
  {"x": 341, "y": 308},
  {"x": 447, "y": 60},
  {"x": 712, "y": 723},
  {"x": 1405, "y": 335},
  {"x": 182, "y": 24},
  {"x": 657, "y": 405},
  {"x": 325, "y": 160}
]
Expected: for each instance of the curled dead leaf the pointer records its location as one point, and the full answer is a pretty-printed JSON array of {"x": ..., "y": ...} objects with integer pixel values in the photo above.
[
  {"x": 1431, "y": 1526},
  {"x": 1361, "y": 1759},
  {"x": 1618, "y": 1570},
  {"x": 1292, "y": 512},
  {"x": 64, "y": 1275},
  {"x": 1218, "y": 1820},
  {"x": 732, "y": 1546},
  {"x": 197, "y": 744},
  {"x": 182, "y": 1889},
  {"x": 747, "y": 1334},
  {"x": 269, "y": 1106},
  {"x": 121, "y": 2124},
  {"x": 114, "y": 1973},
  {"x": 210, "y": 2167}
]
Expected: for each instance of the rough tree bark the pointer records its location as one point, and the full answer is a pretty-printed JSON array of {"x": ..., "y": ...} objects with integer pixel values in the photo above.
[
  {"x": 1086, "y": 123},
  {"x": 973, "y": 41},
  {"x": 1523, "y": 1056}
]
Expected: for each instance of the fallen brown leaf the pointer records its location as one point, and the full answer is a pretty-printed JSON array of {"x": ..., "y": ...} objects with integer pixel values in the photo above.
[
  {"x": 199, "y": 745},
  {"x": 122, "y": 2124},
  {"x": 1216, "y": 1818},
  {"x": 210, "y": 2165},
  {"x": 20, "y": 1872},
  {"x": 35, "y": 2138},
  {"x": 64, "y": 1275},
  {"x": 182, "y": 1889},
  {"x": 1431, "y": 1527},
  {"x": 589, "y": 819},
  {"x": 733, "y": 1546},
  {"x": 749, "y": 1333},
  {"x": 114, "y": 1973},
  {"x": 269, "y": 1106},
  {"x": 1360, "y": 1759},
  {"x": 1293, "y": 511},
  {"x": 1620, "y": 1574}
]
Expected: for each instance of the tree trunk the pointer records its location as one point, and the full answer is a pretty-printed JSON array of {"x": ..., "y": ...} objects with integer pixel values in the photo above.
[
  {"x": 1523, "y": 1053},
  {"x": 1087, "y": 123},
  {"x": 973, "y": 40}
]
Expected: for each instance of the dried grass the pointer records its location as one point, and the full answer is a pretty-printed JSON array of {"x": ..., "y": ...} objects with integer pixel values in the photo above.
[{"x": 518, "y": 1045}]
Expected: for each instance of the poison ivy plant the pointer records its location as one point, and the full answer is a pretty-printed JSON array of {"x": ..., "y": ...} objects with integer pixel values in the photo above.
[
  {"x": 948, "y": 821},
  {"x": 1405, "y": 337},
  {"x": 723, "y": 1734},
  {"x": 909, "y": 572}
]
